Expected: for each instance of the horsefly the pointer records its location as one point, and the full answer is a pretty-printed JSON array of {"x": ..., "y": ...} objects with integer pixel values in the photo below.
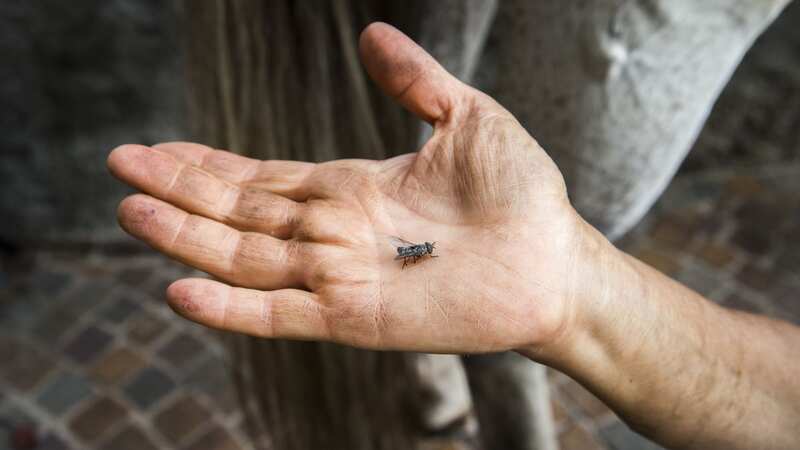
[{"x": 409, "y": 250}]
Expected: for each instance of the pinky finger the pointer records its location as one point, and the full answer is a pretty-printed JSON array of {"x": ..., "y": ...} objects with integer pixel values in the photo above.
[{"x": 283, "y": 313}]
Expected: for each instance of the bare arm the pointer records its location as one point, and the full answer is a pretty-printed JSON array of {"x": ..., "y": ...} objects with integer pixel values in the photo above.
[{"x": 676, "y": 367}]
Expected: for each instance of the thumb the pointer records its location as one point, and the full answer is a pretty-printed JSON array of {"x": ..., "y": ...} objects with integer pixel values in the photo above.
[{"x": 409, "y": 74}]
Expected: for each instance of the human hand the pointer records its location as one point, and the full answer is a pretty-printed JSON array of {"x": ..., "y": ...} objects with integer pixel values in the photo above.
[{"x": 302, "y": 249}]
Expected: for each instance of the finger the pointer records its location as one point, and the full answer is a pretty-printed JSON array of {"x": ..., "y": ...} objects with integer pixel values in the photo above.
[
  {"x": 225, "y": 165},
  {"x": 281, "y": 177},
  {"x": 245, "y": 259},
  {"x": 249, "y": 207},
  {"x": 284, "y": 313},
  {"x": 408, "y": 73}
]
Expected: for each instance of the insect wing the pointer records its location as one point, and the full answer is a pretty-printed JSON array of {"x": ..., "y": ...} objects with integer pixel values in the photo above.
[{"x": 398, "y": 242}]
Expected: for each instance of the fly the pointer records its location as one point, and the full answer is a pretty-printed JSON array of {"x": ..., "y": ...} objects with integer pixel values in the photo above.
[{"x": 409, "y": 250}]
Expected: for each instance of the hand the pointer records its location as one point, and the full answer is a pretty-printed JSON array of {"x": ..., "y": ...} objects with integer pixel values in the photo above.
[{"x": 304, "y": 247}]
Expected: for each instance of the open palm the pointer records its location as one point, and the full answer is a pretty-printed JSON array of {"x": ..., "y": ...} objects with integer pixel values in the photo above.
[{"x": 305, "y": 247}]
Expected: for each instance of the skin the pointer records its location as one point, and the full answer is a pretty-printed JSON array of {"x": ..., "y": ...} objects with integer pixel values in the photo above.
[{"x": 301, "y": 251}]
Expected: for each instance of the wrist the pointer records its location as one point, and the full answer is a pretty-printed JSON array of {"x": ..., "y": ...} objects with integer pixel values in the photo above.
[
  {"x": 599, "y": 277},
  {"x": 587, "y": 294},
  {"x": 653, "y": 350},
  {"x": 614, "y": 344}
]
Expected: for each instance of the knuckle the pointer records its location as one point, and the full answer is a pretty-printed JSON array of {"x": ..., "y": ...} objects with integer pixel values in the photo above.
[
  {"x": 250, "y": 205},
  {"x": 328, "y": 270},
  {"x": 311, "y": 224},
  {"x": 360, "y": 320},
  {"x": 259, "y": 204},
  {"x": 292, "y": 252},
  {"x": 325, "y": 273},
  {"x": 226, "y": 207},
  {"x": 330, "y": 224}
]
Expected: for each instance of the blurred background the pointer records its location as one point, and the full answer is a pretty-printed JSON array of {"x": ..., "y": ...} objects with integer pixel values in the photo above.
[{"x": 92, "y": 358}]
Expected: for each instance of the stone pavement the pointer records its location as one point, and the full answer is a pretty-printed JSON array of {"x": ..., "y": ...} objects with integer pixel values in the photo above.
[{"x": 94, "y": 359}]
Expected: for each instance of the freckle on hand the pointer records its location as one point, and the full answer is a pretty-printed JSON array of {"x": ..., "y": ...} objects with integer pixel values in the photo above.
[{"x": 188, "y": 305}]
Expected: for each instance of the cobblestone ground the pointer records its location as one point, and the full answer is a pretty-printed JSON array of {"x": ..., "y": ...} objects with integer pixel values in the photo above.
[{"x": 93, "y": 358}]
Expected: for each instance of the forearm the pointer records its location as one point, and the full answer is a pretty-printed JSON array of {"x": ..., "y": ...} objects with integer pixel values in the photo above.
[{"x": 676, "y": 367}]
